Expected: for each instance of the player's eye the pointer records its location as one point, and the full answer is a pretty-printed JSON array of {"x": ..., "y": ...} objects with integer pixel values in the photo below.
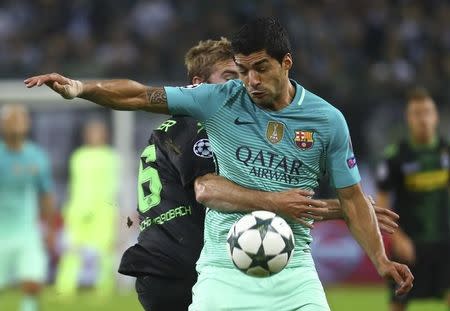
[
  {"x": 230, "y": 77},
  {"x": 243, "y": 71}
]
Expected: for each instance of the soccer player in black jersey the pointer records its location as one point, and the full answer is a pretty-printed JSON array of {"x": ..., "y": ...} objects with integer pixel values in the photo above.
[
  {"x": 416, "y": 171},
  {"x": 171, "y": 219}
]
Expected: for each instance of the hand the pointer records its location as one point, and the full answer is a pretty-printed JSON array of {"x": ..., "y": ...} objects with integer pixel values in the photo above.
[
  {"x": 391, "y": 270},
  {"x": 51, "y": 239},
  {"x": 66, "y": 87},
  {"x": 387, "y": 219},
  {"x": 403, "y": 248},
  {"x": 297, "y": 204}
]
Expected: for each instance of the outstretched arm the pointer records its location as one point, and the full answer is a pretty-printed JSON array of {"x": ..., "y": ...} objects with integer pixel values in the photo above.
[
  {"x": 219, "y": 193},
  {"x": 115, "y": 94},
  {"x": 362, "y": 222}
]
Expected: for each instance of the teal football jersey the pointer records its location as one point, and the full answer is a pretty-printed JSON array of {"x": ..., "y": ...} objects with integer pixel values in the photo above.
[
  {"x": 266, "y": 150},
  {"x": 25, "y": 174}
]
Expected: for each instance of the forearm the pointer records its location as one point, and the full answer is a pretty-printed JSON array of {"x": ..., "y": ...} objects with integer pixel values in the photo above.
[
  {"x": 221, "y": 194},
  {"x": 125, "y": 95},
  {"x": 399, "y": 236},
  {"x": 218, "y": 193},
  {"x": 362, "y": 222},
  {"x": 48, "y": 211},
  {"x": 335, "y": 211}
]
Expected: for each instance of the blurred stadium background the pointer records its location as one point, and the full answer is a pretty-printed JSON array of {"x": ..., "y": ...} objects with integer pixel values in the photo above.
[{"x": 359, "y": 55}]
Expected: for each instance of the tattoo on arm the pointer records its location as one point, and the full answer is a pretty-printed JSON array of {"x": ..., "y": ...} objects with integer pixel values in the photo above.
[{"x": 156, "y": 96}]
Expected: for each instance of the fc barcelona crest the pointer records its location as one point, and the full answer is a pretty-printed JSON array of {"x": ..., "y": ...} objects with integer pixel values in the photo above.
[
  {"x": 274, "y": 132},
  {"x": 304, "y": 139}
]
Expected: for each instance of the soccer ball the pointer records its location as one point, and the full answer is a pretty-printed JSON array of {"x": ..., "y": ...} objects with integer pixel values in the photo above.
[{"x": 260, "y": 244}]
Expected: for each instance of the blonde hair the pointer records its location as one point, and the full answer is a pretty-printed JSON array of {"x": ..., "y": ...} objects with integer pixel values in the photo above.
[
  {"x": 200, "y": 59},
  {"x": 417, "y": 94},
  {"x": 8, "y": 109}
]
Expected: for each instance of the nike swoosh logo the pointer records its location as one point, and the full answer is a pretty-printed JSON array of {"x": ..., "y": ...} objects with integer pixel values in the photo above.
[{"x": 237, "y": 122}]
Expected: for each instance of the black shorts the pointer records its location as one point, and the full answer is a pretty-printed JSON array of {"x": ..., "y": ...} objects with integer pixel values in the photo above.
[
  {"x": 157, "y": 293},
  {"x": 431, "y": 273}
]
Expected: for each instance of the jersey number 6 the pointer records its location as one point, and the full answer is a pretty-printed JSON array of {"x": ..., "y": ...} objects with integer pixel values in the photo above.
[{"x": 149, "y": 189}]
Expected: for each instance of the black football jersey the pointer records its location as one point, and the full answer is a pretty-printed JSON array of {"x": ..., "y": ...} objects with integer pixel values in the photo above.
[
  {"x": 419, "y": 179},
  {"x": 171, "y": 220}
]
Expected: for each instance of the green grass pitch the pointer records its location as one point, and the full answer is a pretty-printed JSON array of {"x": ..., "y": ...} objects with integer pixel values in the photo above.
[
  {"x": 370, "y": 298},
  {"x": 341, "y": 298}
]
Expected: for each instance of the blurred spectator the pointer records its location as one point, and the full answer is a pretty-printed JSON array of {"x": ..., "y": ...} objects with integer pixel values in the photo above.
[
  {"x": 152, "y": 19},
  {"x": 355, "y": 52},
  {"x": 91, "y": 212}
]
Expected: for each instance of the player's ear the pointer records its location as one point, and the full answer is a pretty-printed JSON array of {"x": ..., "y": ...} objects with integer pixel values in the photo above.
[
  {"x": 197, "y": 80},
  {"x": 287, "y": 62}
]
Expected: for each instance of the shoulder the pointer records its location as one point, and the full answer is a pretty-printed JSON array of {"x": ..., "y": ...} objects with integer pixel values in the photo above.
[
  {"x": 208, "y": 88},
  {"x": 176, "y": 125},
  {"x": 179, "y": 130},
  {"x": 231, "y": 86},
  {"x": 37, "y": 153},
  {"x": 320, "y": 106},
  {"x": 79, "y": 152},
  {"x": 107, "y": 152},
  {"x": 184, "y": 135},
  {"x": 34, "y": 149},
  {"x": 230, "y": 91}
]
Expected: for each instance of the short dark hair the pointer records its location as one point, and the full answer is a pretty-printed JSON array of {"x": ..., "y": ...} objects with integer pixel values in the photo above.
[
  {"x": 417, "y": 93},
  {"x": 262, "y": 34}
]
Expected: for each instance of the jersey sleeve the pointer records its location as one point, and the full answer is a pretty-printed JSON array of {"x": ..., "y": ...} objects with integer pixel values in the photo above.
[
  {"x": 200, "y": 101},
  {"x": 341, "y": 161},
  {"x": 386, "y": 173},
  {"x": 196, "y": 158},
  {"x": 44, "y": 176}
]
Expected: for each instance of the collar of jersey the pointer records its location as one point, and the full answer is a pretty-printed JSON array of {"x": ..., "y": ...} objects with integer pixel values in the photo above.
[
  {"x": 5, "y": 148},
  {"x": 418, "y": 146},
  {"x": 299, "y": 96}
]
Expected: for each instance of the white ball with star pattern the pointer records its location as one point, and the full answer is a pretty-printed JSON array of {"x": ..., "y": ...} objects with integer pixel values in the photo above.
[{"x": 260, "y": 244}]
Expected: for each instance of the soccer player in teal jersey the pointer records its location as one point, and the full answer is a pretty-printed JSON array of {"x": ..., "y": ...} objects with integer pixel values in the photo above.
[
  {"x": 25, "y": 184},
  {"x": 268, "y": 133}
]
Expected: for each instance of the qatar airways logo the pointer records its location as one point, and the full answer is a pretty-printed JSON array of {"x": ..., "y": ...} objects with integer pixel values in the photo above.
[{"x": 269, "y": 165}]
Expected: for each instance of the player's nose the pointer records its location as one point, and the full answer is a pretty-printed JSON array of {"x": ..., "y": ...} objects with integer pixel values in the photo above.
[{"x": 254, "y": 79}]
